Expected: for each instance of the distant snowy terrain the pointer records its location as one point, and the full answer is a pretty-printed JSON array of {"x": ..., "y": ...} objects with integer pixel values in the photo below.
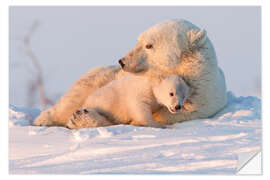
[{"x": 206, "y": 146}]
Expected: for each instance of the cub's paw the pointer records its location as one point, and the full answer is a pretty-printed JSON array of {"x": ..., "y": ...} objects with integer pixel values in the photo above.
[
  {"x": 87, "y": 118},
  {"x": 80, "y": 119}
]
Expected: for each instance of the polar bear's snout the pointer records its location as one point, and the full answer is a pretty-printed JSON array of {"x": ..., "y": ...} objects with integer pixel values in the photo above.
[{"x": 121, "y": 62}]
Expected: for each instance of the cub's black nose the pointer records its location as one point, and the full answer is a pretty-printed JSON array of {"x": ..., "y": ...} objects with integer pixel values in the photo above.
[
  {"x": 121, "y": 62},
  {"x": 177, "y": 107},
  {"x": 78, "y": 112}
]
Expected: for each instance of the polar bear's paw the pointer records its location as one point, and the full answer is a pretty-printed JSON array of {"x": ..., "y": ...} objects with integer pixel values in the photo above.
[
  {"x": 44, "y": 119},
  {"x": 87, "y": 118}
]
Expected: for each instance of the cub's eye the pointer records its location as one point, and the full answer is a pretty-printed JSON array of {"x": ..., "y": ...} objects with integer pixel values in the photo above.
[
  {"x": 171, "y": 94},
  {"x": 149, "y": 46}
]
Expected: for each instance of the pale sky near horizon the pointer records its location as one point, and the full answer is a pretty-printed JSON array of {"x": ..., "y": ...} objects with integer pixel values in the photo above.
[{"x": 72, "y": 40}]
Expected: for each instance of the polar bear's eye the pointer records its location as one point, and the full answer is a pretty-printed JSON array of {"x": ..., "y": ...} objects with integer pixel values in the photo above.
[
  {"x": 149, "y": 46},
  {"x": 171, "y": 94}
]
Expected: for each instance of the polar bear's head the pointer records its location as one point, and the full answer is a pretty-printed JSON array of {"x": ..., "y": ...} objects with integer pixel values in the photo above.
[
  {"x": 171, "y": 92},
  {"x": 161, "y": 47}
]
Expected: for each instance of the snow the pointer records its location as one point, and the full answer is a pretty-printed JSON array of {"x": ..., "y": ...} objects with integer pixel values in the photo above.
[{"x": 205, "y": 146}]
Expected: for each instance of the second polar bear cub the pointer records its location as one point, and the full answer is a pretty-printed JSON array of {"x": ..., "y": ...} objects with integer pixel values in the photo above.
[{"x": 131, "y": 100}]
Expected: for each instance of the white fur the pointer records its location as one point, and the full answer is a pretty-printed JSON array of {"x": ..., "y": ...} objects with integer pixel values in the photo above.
[
  {"x": 179, "y": 47},
  {"x": 130, "y": 100}
]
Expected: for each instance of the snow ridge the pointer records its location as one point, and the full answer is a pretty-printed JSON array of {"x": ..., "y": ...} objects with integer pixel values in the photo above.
[{"x": 205, "y": 146}]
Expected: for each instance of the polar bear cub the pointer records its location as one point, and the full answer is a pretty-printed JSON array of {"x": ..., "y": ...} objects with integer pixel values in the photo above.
[{"x": 131, "y": 100}]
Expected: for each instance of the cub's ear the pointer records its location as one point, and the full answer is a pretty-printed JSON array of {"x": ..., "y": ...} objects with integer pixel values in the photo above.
[
  {"x": 197, "y": 39},
  {"x": 158, "y": 78}
]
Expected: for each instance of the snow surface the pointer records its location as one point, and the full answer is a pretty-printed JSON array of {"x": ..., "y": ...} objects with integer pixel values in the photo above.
[{"x": 205, "y": 146}]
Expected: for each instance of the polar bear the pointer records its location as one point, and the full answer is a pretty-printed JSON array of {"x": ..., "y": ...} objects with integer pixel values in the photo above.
[
  {"x": 131, "y": 100},
  {"x": 171, "y": 47}
]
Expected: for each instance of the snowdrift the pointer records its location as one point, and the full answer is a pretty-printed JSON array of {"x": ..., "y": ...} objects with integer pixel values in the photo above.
[{"x": 205, "y": 146}]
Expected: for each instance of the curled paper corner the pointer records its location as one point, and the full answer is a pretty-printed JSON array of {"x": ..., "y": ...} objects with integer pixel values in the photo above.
[{"x": 249, "y": 163}]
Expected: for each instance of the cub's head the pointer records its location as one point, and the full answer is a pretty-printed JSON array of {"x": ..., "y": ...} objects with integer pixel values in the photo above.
[
  {"x": 172, "y": 92},
  {"x": 161, "y": 47}
]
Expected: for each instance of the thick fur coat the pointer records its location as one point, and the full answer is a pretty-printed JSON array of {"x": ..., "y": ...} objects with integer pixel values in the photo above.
[
  {"x": 131, "y": 100},
  {"x": 171, "y": 47}
]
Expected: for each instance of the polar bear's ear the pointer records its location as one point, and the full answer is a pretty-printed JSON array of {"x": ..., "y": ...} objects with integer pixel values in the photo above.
[{"x": 197, "y": 39}]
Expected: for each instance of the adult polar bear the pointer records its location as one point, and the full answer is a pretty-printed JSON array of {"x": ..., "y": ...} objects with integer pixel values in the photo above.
[{"x": 171, "y": 47}]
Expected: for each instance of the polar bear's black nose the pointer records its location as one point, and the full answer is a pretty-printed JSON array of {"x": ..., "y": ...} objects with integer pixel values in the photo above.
[
  {"x": 121, "y": 62},
  {"x": 177, "y": 107}
]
